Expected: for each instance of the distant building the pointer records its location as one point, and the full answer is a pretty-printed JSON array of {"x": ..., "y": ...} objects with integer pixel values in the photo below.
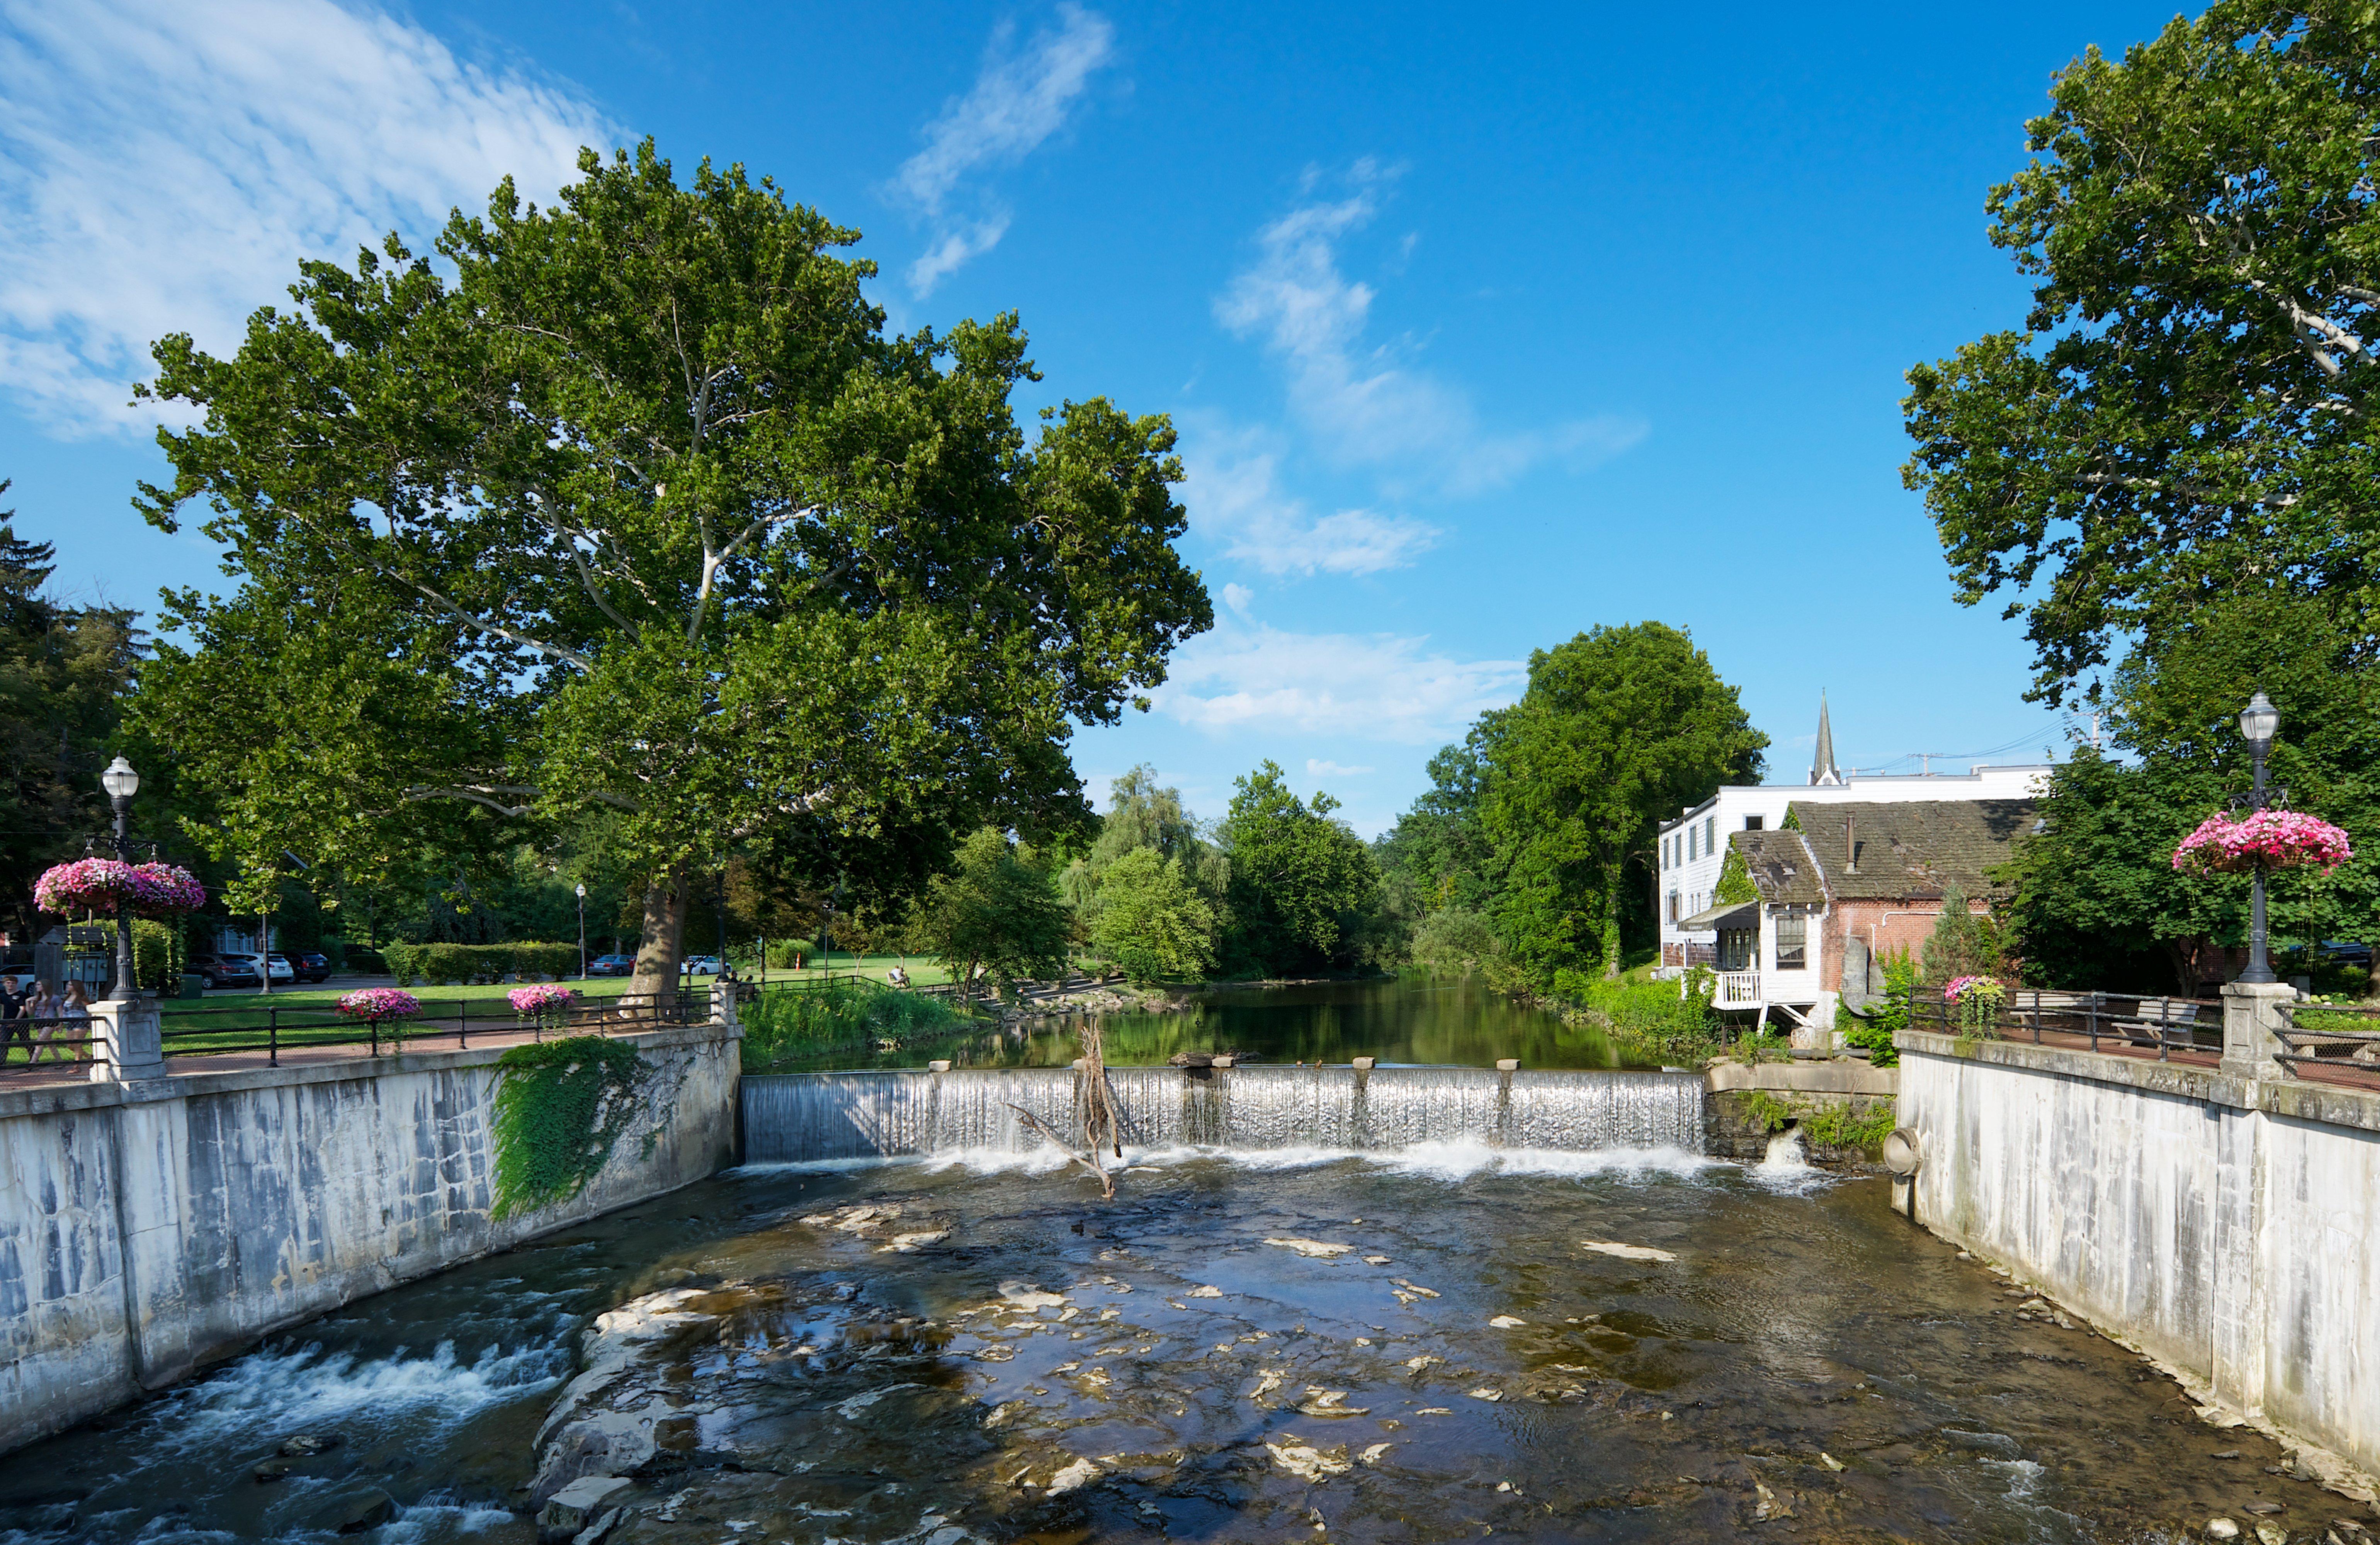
[{"x": 1868, "y": 863}]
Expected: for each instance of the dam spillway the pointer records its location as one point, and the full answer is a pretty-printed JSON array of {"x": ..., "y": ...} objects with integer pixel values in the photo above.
[{"x": 802, "y": 1118}]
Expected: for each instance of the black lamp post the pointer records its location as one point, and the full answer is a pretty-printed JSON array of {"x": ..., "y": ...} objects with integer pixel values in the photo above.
[
  {"x": 2258, "y": 723},
  {"x": 121, "y": 783},
  {"x": 582, "y": 930}
]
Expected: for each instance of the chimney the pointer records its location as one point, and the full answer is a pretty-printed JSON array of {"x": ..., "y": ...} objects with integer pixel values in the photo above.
[{"x": 1850, "y": 843}]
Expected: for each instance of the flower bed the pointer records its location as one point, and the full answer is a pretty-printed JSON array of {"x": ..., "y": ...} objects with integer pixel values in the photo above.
[
  {"x": 2269, "y": 838},
  {"x": 104, "y": 885}
]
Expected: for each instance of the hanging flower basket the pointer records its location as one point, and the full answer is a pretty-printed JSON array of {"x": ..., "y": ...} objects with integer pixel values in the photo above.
[
  {"x": 2267, "y": 838},
  {"x": 106, "y": 885},
  {"x": 1980, "y": 1000}
]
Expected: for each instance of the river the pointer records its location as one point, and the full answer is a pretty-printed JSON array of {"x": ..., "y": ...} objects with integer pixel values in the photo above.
[{"x": 1427, "y": 1343}]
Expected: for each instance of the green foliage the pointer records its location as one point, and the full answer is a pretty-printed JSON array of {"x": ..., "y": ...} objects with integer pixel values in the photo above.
[
  {"x": 997, "y": 909},
  {"x": 1152, "y": 922},
  {"x": 1455, "y": 940},
  {"x": 560, "y": 1106},
  {"x": 1735, "y": 886},
  {"x": 463, "y": 964},
  {"x": 1964, "y": 943},
  {"x": 63, "y": 672},
  {"x": 1834, "y": 1126},
  {"x": 628, "y": 511},
  {"x": 1766, "y": 1111},
  {"x": 2097, "y": 903},
  {"x": 2188, "y": 412},
  {"x": 1889, "y": 1015},
  {"x": 1654, "y": 1021},
  {"x": 1438, "y": 855},
  {"x": 784, "y": 1024},
  {"x": 1619, "y": 728},
  {"x": 156, "y": 956},
  {"x": 1792, "y": 821},
  {"x": 1302, "y": 882}
]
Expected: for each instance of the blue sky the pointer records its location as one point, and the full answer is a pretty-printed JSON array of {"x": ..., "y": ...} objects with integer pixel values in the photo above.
[{"x": 1481, "y": 327}]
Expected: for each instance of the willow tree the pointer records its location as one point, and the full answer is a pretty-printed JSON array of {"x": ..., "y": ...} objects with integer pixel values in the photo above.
[
  {"x": 2188, "y": 412},
  {"x": 636, "y": 505}
]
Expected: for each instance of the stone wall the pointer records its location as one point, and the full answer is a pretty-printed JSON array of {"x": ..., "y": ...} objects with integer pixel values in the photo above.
[
  {"x": 2225, "y": 1221},
  {"x": 149, "y": 1229},
  {"x": 1817, "y": 1097}
]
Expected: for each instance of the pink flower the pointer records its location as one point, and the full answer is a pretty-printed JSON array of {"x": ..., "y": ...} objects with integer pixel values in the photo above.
[
  {"x": 379, "y": 1004},
  {"x": 106, "y": 885},
  {"x": 2263, "y": 839},
  {"x": 1958, "y": 987},
  {"x": 546, "y": 997}
]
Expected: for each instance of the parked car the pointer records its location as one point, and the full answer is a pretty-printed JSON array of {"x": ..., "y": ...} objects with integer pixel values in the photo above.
[
  {"x": 700, "y": 965},
  {"x": 226, "y": 970},
  {"x": 613, "y": 965},
  {"x": 278, "y": 964},
  {"x": 309, "y": 965}
]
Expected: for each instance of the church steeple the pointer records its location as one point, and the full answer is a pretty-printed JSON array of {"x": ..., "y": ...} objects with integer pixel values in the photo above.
[{"x": 1823, "y": 770}]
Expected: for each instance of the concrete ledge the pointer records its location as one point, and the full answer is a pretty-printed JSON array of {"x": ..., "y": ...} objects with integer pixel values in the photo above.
[
  {"x": 1844, "y": 1076},
  {"x": 2333, "y": 1104},
  {"x": 59, "y": 1099}
]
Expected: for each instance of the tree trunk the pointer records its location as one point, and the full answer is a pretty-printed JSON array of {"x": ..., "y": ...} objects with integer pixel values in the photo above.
[{"x": 660, "y": 940}]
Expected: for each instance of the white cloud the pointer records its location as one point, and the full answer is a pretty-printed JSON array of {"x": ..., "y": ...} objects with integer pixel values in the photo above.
[
  {"x": 1017, "y": 103},
  {"x": 1368, "y": 686},
  {"x": 1317, "y": 768},
  {"x": 1364, "y": 406},
  {"x": 1237, "y": 598},
  {"x": 164, "y": 167},
  {"x": 1232, "y": 491}
]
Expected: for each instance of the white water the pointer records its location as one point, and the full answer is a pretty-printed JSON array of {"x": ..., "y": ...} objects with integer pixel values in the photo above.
[{"x": 1282, "y": 1111}]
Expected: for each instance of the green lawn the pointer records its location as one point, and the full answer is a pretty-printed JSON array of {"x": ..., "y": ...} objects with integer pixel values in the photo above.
[
  {"x": 229, "y": 1020},
  {"x": 923, "y": 972}
]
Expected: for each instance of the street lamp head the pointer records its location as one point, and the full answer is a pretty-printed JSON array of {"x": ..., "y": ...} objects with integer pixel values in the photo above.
[
  {"x": 582, "y": 892},
  {"x": 2259, "y": 721},
  {"x": 120, "y": 781}
]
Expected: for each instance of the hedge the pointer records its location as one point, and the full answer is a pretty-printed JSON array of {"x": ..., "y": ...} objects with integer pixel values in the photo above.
[{"x": 467, "y": 964}]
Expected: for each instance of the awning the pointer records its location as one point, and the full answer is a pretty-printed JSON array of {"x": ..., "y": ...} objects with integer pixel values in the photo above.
[{"x": 1728, "y": 914}]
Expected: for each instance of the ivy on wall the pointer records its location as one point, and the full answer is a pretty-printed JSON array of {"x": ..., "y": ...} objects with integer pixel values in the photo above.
[
  {"x": 1735, "y": 886},
  {"x": 560, "y": 1108}
]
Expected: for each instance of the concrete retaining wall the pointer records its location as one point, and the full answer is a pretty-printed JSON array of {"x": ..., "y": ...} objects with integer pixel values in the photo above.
[
  {"x": 2226, "y": 1222},
  {"x": 149, "y": 1229}
]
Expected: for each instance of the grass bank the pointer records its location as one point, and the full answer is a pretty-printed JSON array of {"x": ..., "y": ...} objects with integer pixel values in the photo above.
[{"x": 848, "y": 1013}]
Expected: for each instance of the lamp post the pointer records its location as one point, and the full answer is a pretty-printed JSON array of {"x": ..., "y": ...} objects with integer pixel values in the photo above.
[
  {"x": 582, "y": 930},
  {"x": 121, "y": 783},
  {"x": 2258, "y": 723}
]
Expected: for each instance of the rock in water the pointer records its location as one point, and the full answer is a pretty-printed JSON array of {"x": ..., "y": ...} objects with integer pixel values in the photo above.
[
  {"x": 1317, "y": 1249},
  {"x": 577, "y": 1506},
  {"x": 310, "y": 1444},
  {"x": 353, "y": 1512},
  {"x": 2222, "y": 1529},
  {"x": 1626, "y": 1252}
]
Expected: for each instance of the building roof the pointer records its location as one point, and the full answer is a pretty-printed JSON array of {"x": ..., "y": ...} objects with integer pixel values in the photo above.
[
  {"x": 1822, "y": 765},
  {"x": 1727, "y": 914},
  {"x": 1781, "y": 865},
  {"x": 1916, "y": 848}
]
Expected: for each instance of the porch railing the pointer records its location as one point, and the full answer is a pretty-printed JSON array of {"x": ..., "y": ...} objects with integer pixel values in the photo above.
[{"x": 1737, "y": 989}]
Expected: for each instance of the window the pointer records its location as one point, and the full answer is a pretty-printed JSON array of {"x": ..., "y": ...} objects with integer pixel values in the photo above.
[
  {"x": 1736, "y": 948},
  {"x": 1673, "y": 906},
  {"x": 1710, "y": 835},
  {"x": 1792, "y": 941},
  {"x": 1690, "y": 842},
  {"x": 1751, "y": 823}
]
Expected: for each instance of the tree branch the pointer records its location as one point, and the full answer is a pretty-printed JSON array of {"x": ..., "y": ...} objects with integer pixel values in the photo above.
[{"x": 571, "y": 657}]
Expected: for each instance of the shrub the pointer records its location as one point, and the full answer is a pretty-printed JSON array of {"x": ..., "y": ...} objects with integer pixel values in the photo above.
[
  {"x": 465, "y": 964},
  {"x": 785, "y": 1022},
  {"x": 156, "y": 956}
]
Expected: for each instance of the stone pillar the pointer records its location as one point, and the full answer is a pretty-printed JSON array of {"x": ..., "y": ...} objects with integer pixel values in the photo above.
[
  {"x": 2251, "y": 1019},
  {"x": 130, "y": 1044},
  {"x": 723, "y": 1003}
]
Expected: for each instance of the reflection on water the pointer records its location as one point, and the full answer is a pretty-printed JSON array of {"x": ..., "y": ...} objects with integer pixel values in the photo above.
[
  {"x": 1454, "y": 1021},
  {"x": 1293, "y": 1343}
]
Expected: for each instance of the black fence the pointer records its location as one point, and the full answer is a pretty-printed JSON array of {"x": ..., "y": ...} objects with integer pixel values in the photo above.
[
  {"x": 2106, "y": 1022},
  {"x": 31, "y": 1042},
  {"x": 272, "y": 1029},
  {"x": 2337, "y": 1044}
]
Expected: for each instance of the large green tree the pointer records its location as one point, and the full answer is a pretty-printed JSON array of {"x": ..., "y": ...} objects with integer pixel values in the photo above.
[
  {"x": 1302, "y": 885},
  {"x": 2095, "y": 892},
  {"x": 2188, "y": 411},
  {"x": 1153, "y": 922},
  {"x": 1619, "y": 729},
  {"x": 640, "y": 510}
]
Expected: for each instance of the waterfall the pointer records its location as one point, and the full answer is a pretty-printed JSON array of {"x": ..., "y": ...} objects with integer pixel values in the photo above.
[{"x": 798, "y": 1116}]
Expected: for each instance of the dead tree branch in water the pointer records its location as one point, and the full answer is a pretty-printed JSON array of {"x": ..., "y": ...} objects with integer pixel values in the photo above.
[{"x": 1090, "y": 1161}]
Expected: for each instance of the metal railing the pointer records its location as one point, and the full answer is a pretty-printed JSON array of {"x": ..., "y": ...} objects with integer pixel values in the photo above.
[
  {"x": 272, "y": 1028},
  {"x": 2120, "y": 1021},
  {"x": 2333, "y": 1050},
  {"x": 28, "y": 1044}
]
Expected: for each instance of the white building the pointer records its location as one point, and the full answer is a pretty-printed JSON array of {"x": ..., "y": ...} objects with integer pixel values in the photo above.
[{"x": 1692, "y": 848}]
